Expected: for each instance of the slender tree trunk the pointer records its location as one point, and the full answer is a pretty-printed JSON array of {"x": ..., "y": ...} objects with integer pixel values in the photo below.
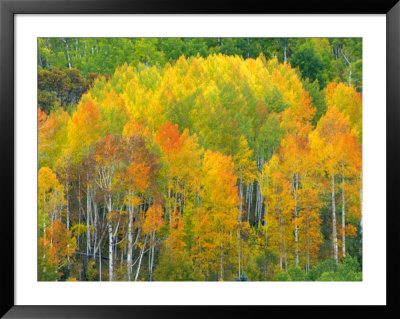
[
  {"x": 259, "y": 204},
  {"x": 79, "y": 209},
  {"x": 260, "y": 197},
  {"x": 343, "y": 219},
  {"x": 130, "y": 240},
  {"x": 266, "y": 224},
  {"x": 140, "y": 259},
  {"x": 296, "y": 230},
  {"x": 88, "y": 209},
  {"x": 67, "y": 188},
  {"x": 221, "y": 274},
  {"x": 239, "y": 244},
  {"x": 280, "y": 243},
  {"x": 169, "y": 207},
  {"x": 284, "y": 50},
  {"x": 284, "y": 248},
  {"x": 68, "y": 54},
  {"x": 110, "y": 252},
  {"x": 349, "y": 63},
  {"x": 150, "y": 251},
  {"x": 334, "y": 233},
  {"x": 247, "y": 199},
  {"x": 99, "y": 263},
  {"x": 79, "y": 222},
  {"x": 361, "y": 224},
  {"x": 96, "y": 218},
  {"x": 151, "y": 256},
  {"x": 249, "y": 195},
  {"x": 110, "y": 240},
  {"x": 240, "y": 221}
]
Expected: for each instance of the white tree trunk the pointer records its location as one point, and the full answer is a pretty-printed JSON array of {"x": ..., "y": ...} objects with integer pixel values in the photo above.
[
  {"x": 99, "y": 263},
  {"x": 349, "y": 63},
  {"x": 95, "y": 223},
  {"x": 361, "y": 219},
  {"x": 296, "y": 233},
  {"x": 140, "y": 259},
  {"x": 110, "y": 241},
  {"x": 280, "y": 242},
  {"x": 88, "y": 209},
  {"x": 343, "y": 220},
  {"x": 249, "y": 199},
  {"x": 221, "y": 263},
  {"x": 110, "y": 252},
  {"x": 68, "y": 55},
  {"x": 240, "y": 221},
  {"x": 130, "y": 241},
  {"x": 151, "y": 256},
  {"x": 334, "y": 233},
  {"x": 67, "y": 188}
]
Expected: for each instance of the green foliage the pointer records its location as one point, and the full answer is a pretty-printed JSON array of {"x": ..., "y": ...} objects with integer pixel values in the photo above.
[
  {"x": 57, "y": 87},
  {"x": 274, "y": 101},
  {"x": 47, "y": 267},
  {"x": 176, "y": 267},
  {"x": 269, "y": 137},
  {"x": 296, "y": 273},
  {"x": 349, "y": 270},
  {"x": 283, "y": 276},
  {"x": 91, "y": 272},
  {"x": 200, "y": 156},
  {"x": 327, "y": 266},
  {"x": 318, "y": 98},
  {"x": 310, "y": 64},
  {"x": 78, "y": 229},
  {"x": 327, "y": 270},
  {"x": 103, "y": 55}
]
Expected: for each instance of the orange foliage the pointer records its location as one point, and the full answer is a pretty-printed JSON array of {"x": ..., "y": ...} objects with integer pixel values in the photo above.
[{"x": 168, "y": 138}]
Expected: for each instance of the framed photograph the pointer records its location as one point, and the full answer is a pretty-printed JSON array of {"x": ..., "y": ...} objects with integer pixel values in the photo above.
[{"x": 167, "y": 159}]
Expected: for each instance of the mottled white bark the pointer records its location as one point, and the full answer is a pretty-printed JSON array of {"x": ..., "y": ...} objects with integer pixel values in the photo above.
[
  {"x": 361, "y": 219},
  {"x": 130, "y": 240},
  {"x": 110, "y": 253},
  {"x": 67, "y": 189},
  {"x": 221, "y": 263},
  {"x": 96, "y": 218},
  {"x": 343, "y": 220},
  {"x": 296, "y": 230},
  {"x": 100, "y": 264},
  {"x": 88, "y": 211},
  {"x": 250, "y": 187},
  {"x": 151, "y": 255},
  {"x": 140, "y": 259},
  {"x": 68, "y": 54},
  {"x": 239, "y": 223},
  {"x": 334, "y": 233},
  {"x": 349, "y": 63},
  {"x": 280, "y": 242}
]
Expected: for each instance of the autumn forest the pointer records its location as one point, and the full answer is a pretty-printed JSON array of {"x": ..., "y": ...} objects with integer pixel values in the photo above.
[{"x": 199, "y": 159}]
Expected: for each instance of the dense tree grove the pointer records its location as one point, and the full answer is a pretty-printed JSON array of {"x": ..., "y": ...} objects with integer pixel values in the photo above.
[
  {"x": 199, "y": 159},
  {"x": 67, "y": 67}
]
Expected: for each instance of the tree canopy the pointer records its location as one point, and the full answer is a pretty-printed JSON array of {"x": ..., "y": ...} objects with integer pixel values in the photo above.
[{"x": 199, "y": 159}]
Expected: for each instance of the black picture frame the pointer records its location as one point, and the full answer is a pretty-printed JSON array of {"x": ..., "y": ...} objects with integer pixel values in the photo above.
[{"x": 8, "y": 8}]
